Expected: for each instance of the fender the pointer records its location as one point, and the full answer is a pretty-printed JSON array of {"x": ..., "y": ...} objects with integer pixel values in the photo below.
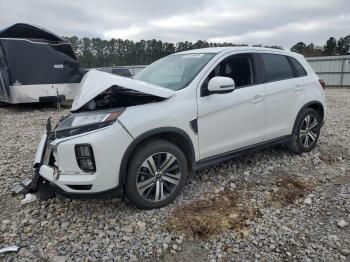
[{"x": 148, "y": 134}]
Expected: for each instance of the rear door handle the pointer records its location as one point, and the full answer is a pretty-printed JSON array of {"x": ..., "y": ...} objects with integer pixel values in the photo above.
[{"x": 257, "y": 99}]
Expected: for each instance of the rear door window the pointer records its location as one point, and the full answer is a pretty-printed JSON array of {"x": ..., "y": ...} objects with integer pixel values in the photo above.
[{"x": 277, "y": 67}]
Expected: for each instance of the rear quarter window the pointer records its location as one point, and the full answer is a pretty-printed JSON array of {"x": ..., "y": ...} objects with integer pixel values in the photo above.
[
  {"x": 299, "y": 69},
  {"x": 277, "y": 67}
]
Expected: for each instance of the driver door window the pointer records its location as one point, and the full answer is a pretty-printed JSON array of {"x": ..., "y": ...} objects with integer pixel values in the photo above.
[{"x": 239, "y": 68}]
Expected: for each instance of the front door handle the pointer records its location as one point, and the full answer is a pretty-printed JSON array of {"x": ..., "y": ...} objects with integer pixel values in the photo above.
[{"x": 257, "y": 99}]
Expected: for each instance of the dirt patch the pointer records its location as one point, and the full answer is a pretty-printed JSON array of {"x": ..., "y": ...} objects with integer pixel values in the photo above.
[
  {"x": 233, "y": 210},
  {"x": 289, "y": 189},
  {"x": 328, "y": 158},
  {"x": 205, "y": 218},
  {"x": 334, "y": 153}
]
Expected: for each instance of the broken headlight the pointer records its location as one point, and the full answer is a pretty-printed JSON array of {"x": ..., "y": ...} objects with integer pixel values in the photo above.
[{"x": 85, "y": 122}]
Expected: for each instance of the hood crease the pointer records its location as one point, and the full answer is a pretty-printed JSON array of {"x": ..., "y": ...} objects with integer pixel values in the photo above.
[{"x": 96, "y": 82}]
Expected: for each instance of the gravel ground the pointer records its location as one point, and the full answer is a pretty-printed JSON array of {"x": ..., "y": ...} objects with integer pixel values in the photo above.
[{"x": 271, "y": 205}]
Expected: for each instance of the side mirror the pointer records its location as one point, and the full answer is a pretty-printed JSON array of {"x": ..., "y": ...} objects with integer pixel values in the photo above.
[{"x": 221, "y": 84}]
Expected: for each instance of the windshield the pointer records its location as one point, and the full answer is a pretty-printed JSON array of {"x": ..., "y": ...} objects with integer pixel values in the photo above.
[{"x": 175, "y": 71}]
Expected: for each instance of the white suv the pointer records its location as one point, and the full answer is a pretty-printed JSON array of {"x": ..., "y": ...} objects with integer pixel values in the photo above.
[{"x": 182, "y": 113}]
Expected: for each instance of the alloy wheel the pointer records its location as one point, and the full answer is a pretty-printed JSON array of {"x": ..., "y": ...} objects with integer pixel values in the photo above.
[
  {"x": 308, "y": 131},
  {"x": 158, "y": 177}
]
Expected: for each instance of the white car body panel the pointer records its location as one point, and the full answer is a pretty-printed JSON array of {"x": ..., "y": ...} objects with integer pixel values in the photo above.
[
  {"x": 109, "y": 145},
  {"x": 283, "y": 102},
  {"x": 148, "y": 117},
  {"x": 241, "y": 112},
  {"x": 226, "y": 122},
  {"x": 239, "y": 117},
  {"x": 313, "y": 91},
  {"x": 40, "y": 149}
]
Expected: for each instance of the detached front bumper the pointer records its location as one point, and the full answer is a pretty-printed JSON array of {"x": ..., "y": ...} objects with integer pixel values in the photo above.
[{"x": 57, "y": 165}]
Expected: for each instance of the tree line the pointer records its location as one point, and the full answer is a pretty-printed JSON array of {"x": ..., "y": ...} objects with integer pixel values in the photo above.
[
  {"x": 331, "y": 47},
  {"x": 97, "y": 52}
]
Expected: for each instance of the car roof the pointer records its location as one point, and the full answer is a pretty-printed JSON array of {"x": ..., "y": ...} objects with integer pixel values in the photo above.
[{"x": 216, "y": 50}]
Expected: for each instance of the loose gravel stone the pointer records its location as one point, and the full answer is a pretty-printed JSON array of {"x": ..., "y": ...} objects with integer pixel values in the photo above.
[
  {"x": 342, "y": 223},
  {"x": 308, "y": 201},
  {"x": 345, "y": 251}
]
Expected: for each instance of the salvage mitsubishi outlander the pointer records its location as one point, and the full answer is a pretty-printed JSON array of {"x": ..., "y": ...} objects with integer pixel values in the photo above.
[{"x": 140, "y": 137}]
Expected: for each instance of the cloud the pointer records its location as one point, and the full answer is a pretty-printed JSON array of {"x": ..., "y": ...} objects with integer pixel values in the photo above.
[
  {"x": 178, "y": 21},
  {"x": 280, "y": 34},
  {"x": 126, "y": 33},
  {"x": 240, "y": 21}
]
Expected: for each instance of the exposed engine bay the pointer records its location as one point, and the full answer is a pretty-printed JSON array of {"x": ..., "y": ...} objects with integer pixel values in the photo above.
[{"x": 117, "y": 96}]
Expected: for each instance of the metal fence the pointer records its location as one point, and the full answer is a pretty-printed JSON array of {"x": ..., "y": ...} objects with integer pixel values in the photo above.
[{"x": 334, "y": 70}]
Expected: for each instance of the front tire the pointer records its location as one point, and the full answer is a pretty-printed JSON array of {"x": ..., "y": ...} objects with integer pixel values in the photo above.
[
  {"x": 157, "y": 172},
  {"x": 305, "y": 132}
]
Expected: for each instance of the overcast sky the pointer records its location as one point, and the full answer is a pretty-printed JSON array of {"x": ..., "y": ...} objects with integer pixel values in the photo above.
[{"x": 267, "y": 22}]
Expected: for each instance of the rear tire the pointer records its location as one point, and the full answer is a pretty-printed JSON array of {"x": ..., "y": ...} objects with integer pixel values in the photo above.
[
  {"x": 157, "y": 171},
  {"x": 306, "y": 131}
]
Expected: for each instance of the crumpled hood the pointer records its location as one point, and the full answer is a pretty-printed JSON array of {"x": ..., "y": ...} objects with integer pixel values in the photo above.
[{"x": 95, "y": 82}]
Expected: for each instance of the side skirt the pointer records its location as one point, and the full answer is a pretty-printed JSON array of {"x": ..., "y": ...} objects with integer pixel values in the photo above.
[{"x": 206, "y": 162}]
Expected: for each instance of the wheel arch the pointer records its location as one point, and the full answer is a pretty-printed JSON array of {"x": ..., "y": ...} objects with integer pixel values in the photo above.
[
  {"x": 316, "y": 105},
  {"x": 171, "y": 134}
]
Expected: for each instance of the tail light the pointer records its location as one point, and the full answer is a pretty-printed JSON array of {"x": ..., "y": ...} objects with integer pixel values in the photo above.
[
  {"x": 323, "y": 84},
  {"x": 85, "y": 158}
]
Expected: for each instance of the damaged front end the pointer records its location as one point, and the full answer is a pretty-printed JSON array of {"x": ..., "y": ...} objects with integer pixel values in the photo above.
[
  {"x": 77, "y": 156},
  {"x": 119, "y": 97},
  {"x": 30, "y": 185}
]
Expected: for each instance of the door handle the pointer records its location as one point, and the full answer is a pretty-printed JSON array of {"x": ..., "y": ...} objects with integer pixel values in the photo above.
[
  {"x": 298, "y": 88},
  {"x": 257, "y": 99}
]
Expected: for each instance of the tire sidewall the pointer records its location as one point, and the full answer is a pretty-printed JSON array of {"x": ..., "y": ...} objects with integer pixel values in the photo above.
[
  {"x": 306, "y": 112},
  {"x": 143, "y": 152}
]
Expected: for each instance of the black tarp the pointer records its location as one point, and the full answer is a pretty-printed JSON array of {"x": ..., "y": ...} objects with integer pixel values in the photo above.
[
  {"x": 36, "y": 56},
  {"x": 27, "y": 31}
]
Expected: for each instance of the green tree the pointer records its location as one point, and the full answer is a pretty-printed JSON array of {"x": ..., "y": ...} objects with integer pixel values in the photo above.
[
  {"x": 343, "y": 45},
  {"x": 330, "y": 46},
  {"x": 96, "y": 52},
  {"x": 299, "y": 48}
]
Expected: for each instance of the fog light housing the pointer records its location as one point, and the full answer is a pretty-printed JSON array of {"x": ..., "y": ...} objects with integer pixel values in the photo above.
[{"x": 85, "y": 158}]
